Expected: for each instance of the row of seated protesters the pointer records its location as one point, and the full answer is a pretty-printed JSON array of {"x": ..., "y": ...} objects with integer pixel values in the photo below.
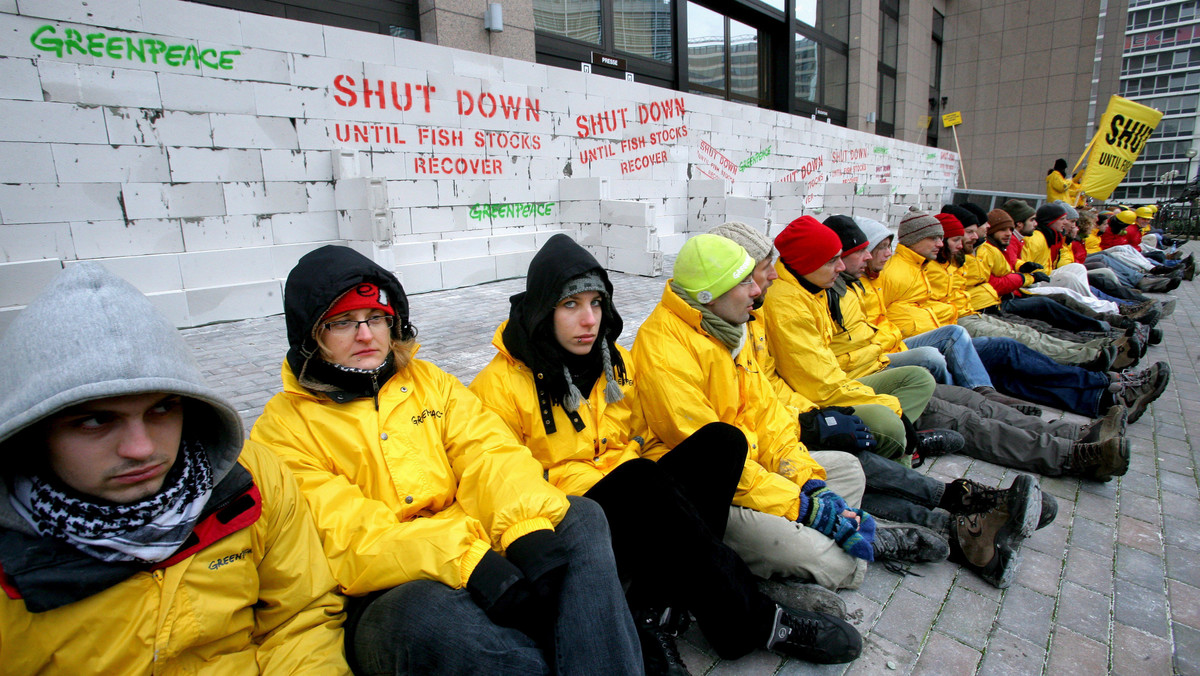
[{"x": 580, "y": 503}]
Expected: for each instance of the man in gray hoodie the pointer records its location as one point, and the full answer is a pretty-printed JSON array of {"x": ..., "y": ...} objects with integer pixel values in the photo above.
[{"x": 136, "y": 533}]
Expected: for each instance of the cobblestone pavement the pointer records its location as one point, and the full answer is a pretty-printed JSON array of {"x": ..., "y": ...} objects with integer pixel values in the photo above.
[{"x": 1113, "y": 585}]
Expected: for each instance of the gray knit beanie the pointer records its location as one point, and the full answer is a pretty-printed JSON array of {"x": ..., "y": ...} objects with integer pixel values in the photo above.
[
  {"x": 916, "y": 226},
  {"x": 875, "y": 231},
  {"x": 754, "y": 242}
]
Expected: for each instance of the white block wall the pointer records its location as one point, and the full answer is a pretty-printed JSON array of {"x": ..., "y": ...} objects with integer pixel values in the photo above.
[{"x": 202, "y": 181}]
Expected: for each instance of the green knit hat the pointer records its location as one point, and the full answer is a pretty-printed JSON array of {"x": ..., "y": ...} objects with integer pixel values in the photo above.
[
  {"x": 708, "y": 266},
  {"x": 1018, "y": 209}
]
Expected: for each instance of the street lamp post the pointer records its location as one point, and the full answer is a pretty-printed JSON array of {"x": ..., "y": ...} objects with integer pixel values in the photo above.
[{"x": 1191, "y": 155}]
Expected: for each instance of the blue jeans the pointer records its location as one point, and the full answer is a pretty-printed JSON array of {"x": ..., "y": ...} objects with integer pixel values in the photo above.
[
  {"x": 1125, "y": 272},
  {"x": 425, "y": 627},
  {"x": 1104, "y": 296},
  {"x": 964, "y": 367},
  {"x": 1027, "y": 374},
  {"x": 926, "y": 357}
]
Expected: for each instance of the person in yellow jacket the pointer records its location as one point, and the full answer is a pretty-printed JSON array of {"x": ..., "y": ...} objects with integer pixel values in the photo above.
[
  {"x": 139, "y": 533},
  {"x": 1056, "y": 181},
  {"x": 559, "y": 343},
  {"x": 461, "y": 558},
  {"x": 910, "y": 278},
  {"x": 800, "y": 330}
]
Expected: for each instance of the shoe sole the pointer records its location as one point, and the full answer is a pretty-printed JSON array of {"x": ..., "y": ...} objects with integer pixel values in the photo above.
[
  {"x": 1143, "y": 402},
  {"x": 1008, "y": 569},
  {"x": 1026, "y": 507}
]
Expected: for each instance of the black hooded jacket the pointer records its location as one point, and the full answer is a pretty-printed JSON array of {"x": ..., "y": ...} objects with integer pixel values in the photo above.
[
  {"x": 529, "y": 335},
  {"x": 314, "y": 285}
]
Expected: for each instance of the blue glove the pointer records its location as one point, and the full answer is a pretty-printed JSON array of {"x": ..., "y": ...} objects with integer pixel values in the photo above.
[
  {"x": 822, "y": 510},
  {"x": 836, "y": 428}
]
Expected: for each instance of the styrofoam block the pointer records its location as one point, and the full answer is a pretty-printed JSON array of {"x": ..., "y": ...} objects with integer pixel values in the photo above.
[
  {"x": 875, "y": 190},
  {"x": 266, "y": 198},
  {"x": 281, "y": 35},
  {"x": 226, "y": 232},
  {"x": 93, "y": 85},
  {"x": 284, "y": 100},
  {"x": 205, "y": 94},
  {"x": 412, "y": 193},
  {"x": 314, "y": 226},
  {"x": 125, "y": 14},
  {"x": 621, "y": 212},
  {"x": 453, "y": 249},
  {"x": 49, "y": 202},
  {"x": 319, "y": 72},
  {"x": 190, "y": 20},
  {"x": 225, "y": 267},
  {"x": 320, "y": 196},
  {"x": 632, "y": 261},
  {"x": 870, "y": 202},
  {"x": 19, "y": 80},
  {"x": 22, "y": 281},
  {"x": 360, "y": 193},
  {"x": 182, "y": 200},
  {"x": 787, "y": 205},
  {"x": 838, "y": 189},
  {"x": 788, "y": 189},
  {"x": 505, "y": 244},
  {"x": 420, "y": 277},
  {"x": 593, "y": 188},
  {"x": 233, "y": 302},
  {"x": 104, "y": 239},
  {"x": 671, "y": 244},
  {"x": 172, "y": 305},
  {"x": 295, "y": 165},
  {"x": 426, "y": 220},
  {"x": 627, "y": 237},
  {"x": 150, "y": 274},
  {"x": 590, "y": 234},
  {"x": 284, "y": 258},
  {"x": 51, "y": 122},
  {"x": 36, "y": 240},
  {"x": 413, "y": 252},
  {"x": 179, "y": 128},
  {"x": 343, "y": 43},
  {"x": 77, "y": 163},
  {"x": 253, "y": 131},
  {"x": 356, "y": 224},
  {"x": 462, "y": 192},
  {"x": 27, "y": 163},
  {"x": 468, "y": 272},
  {"x": 255, "y": 65},
  {"x": 510, "y": 265},
  {"x": 152, "y": 127},
  {"x": 203, "y": 164},
  {"x": 745, "y": 207},
  {"x": 838, "y": 201}
]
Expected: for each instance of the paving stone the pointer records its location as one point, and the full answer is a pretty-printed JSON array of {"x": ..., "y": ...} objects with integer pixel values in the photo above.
[
  {"x": 1183, "y": 484},
  {"x": 1142, "y": 608},
  {"x": 944, "y": 655},
  {"x": 1026, "y": 613},
  {"x": 1136, "y": 653},
  {"x": 1092, "y": 536},
  {"x": 1139, "y": 567},
  {"x": 967, "y": 617},
  {"x": 1052, "y": 539},
  {"x": 878, "y": 653},
  {"x": 1187, "y": 650},
  {"x": 879, "y": 584},
  {"x": 757, "y": 662},
  {"x": 1141, "y": 507},
  {"x": 1009, "y": 655},
  {"x": 1142, "y": 483},
  {"x": 861, "y": 612},
  {"x": 1139, "y": 534},
  {"x": 1075, "y": 655},
  {"x": 972, "y": 582},
  {"x": 1183, "y": 565},
  {"x": 1090, "y": 570},
  {"x": 1040, "y": 572},
  {"x": 933, "y": 580},
  {"x": 1084, "y": 611},
  {"x": 1185, "y": 603},
  {"x": 906, "y": 619},
  {"x": 1181, "y": 532}
]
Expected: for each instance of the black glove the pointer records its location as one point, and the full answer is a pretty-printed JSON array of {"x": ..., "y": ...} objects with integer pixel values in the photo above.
[
  {"x": 835, "y": 428},
  {"x": 1039, "y": 276},
  {"x": 501, "y": 590},
  {"x": 1029, "y": 267},
  {"x": 542, "y": 557}
]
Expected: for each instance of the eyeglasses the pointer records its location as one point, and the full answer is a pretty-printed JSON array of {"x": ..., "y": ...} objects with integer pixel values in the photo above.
[{"x": 349, "y": 327}]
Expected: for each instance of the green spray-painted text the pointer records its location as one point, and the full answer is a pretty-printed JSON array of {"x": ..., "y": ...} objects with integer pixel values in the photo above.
[{"x": 100, "y": 45}]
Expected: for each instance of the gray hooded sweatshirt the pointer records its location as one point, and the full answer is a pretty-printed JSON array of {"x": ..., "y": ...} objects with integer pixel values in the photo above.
[{"x": 91, "y": 335}]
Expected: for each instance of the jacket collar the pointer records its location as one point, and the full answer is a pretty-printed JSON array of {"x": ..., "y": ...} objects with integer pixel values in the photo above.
[{"x": 909, "y": 256}]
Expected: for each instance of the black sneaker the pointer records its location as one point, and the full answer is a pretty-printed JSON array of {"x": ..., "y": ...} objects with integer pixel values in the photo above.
[
  {"x": 1138, "y": 397},
  {"x": 660, "y": 655},
  {"x": 813, "y": 637},
  {"x": 908, "y": 543},
  {"x": 934, "y": 442}
]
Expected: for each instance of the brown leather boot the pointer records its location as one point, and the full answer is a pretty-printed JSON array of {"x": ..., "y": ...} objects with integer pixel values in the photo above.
[
  {"x": 1101, "y": 460},
  {"x": 987, "y": 544}
]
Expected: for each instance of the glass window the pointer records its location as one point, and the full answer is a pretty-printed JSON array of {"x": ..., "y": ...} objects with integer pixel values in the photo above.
[
  {"x": 834, "y": 78},
  {"x": 643, "y": 27},
  {"x": 806, "y": 12},
  {"x": 743, "y": 60},
  {"x": 889, "y": 40},
  {"x": 577, "y": 19},
  {"x": 706, "y": 47},
  {"x": 887, "y": 99},
  {"x": 808, "y": 71}
]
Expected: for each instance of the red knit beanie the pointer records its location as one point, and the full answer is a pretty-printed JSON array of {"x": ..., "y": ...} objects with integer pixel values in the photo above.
[
  {"x": 365, "y": 295},
  {"x": 806, "y": 244},
  {"x": 951, "y": 226}
]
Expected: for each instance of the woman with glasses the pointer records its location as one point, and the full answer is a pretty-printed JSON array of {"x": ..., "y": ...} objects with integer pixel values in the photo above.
[{"x": 459, "y": 556}]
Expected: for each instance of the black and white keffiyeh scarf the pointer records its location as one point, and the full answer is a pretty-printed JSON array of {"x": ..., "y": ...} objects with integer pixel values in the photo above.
[{"x": 149, "y": 530}]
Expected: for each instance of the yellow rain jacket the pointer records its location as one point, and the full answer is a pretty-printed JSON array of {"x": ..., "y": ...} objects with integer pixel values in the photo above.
[
  {"x": 860, "y": 347},
  {"x": 756, "y": 336},
  {"x": 573, "y": 461},
  {"x": 1091, "y": 243},
  {"x": 908, "y": 294},
  {"x": 947, "y": 306},
  {"x": 1056, "y": 187},
  {"x": 890, "y": 336},
  {"x": 1037, "y": 250},
  {"x": 259, "y": 600},
  {"x": 689, "y": 379},
  {"x": 416, "y": 486},
  {"x": 799, "y": 331},
  {"x": 975, "y": 273}
]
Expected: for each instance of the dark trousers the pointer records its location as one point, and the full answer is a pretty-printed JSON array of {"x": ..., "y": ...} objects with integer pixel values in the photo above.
[
  {"x": 897, "y": 493},
  {"x": 1053, "y": 313},
  {"x": 1021, "y": 372},
  {"x": 1114, "y": 289},
  {"x": 667, "y": 521}
]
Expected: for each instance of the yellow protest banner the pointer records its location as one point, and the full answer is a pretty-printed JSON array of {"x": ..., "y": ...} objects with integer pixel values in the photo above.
[
  {"x": 952, "y": 119},
  {"x": 1124, "y": 130}
]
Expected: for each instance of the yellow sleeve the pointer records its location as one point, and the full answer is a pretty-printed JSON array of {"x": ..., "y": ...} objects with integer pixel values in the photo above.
[
  {"x": 298, "y": 617},
  {"x": 500, "y": 483},
  {"x": 369, "y": 548},
  {"x": 1037, "y": 251},
  {"x": 904, "y": 299}
]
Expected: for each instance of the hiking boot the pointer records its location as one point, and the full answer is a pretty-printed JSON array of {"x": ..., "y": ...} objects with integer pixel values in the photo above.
[
  {"x": 1128, "y": 350},
  {"x": 988, "y": 544},
  {"x": 1156, "y": 284},
  {"x": 1148, "y": 313},
  {"x": 1022, "y": 501},
  {"x": 934, "y": 442},
  {"x": 1102, "y": 361},
  {"x": 803, "y": 596},
  {"x": 1049, "y": 510},
  {"x": 1100, "y": 460},
  {"x": 1111, "y": 425},
  {"x": 1166, "y": 308},
  {"x": 1137, "y": 397},
  {"x": 1133, "y": 311},
  {"x": 908, "y": 542},
  {"x": 813, "y": 637},
  {"x": 660, "y": 655},
  {"x": 1154, "y": 336}
]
